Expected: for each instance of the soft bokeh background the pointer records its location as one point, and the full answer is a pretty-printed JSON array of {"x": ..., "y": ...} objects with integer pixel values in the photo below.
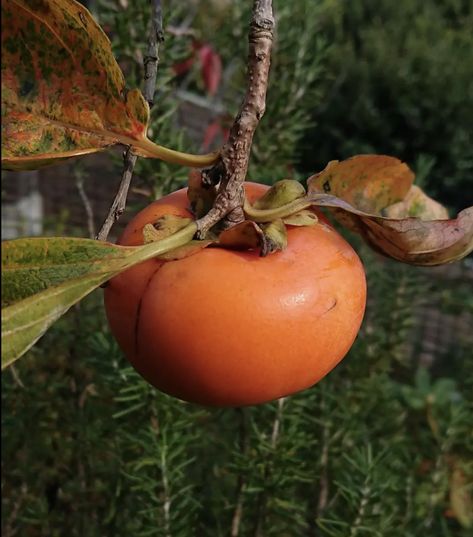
[{"x": 384, "y": 445}]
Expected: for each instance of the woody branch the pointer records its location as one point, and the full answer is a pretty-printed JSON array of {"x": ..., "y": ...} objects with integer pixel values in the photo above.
[{"x": 230, "y": 172}]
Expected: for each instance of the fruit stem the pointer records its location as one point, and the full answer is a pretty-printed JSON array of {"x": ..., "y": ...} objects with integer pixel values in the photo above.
[
  {"x": 147, "y": 148},
  {"x": 268, "y": 215}
]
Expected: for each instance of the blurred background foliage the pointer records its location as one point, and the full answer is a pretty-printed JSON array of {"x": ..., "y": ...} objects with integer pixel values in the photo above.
[
  {"x": 383, "y": 446},
  {"x": 399, "y": 83}
]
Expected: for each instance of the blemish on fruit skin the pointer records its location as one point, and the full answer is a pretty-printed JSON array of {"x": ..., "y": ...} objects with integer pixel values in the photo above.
[{"x": 334, "y": 304}]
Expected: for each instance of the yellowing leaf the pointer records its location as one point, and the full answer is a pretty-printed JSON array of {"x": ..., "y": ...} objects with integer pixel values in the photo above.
[
  {"x": 43, "y": 278},
  {"x": 63, "y": 94},
  {"x": 417, "y": 203},
  {"x": 410, "y": 240},
  {"x": 32, "y": 265},
  {"x": 369, "y": 182},
  {"x": 374, "y": 196}
]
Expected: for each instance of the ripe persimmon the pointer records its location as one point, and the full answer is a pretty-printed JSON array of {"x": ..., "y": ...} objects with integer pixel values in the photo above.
[{"x": 229, "y": 328}]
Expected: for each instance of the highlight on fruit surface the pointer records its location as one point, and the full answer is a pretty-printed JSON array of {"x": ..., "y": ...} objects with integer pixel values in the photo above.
[{"x": 228, "y": 327}]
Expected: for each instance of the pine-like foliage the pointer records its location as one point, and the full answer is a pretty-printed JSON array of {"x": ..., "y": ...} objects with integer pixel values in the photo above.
[{"x": 382, "y": 446}]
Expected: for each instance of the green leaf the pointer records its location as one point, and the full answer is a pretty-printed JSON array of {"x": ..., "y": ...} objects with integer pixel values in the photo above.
[
  {"x": 44, "y": 277},
  {"x": 26, "y": 321},
  {"x": 32, "y": 265},
  {"x": 63, "y": 93}
]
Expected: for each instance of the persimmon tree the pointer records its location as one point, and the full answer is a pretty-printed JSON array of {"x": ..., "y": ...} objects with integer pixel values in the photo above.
[{"x": 64, "y": 95}]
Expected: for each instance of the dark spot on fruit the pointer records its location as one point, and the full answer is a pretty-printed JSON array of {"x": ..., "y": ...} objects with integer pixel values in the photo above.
[{"x": 326, "y": 186}]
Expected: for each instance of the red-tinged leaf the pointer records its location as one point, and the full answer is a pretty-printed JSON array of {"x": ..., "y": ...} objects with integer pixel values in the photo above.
[
  {"x": 244, "y": 236},
  {"x": 211, "y": 132},
  {"x": 63, "y": 94},
  {"x": 211, "y": 66},
  {"x": 410, "y": 240},
  {"x": 369, "y": 182},
  {"x": 183, "y": 67}
]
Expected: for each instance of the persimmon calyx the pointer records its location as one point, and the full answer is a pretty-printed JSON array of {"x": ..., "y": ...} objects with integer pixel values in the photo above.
[
  {"x": 302, "y": 218},
  {"x": 275, "y": 237},
  {"x": 282, "y": 200},
  {"x": 268, "y": 215},
  {"x": 163, "y": 227}
]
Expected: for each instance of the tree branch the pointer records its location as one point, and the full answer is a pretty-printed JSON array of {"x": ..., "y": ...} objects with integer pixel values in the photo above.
[
  {"x": 87, "y": 205},
  {"x": 150, "y": 62},
  {"x": 233, "y": 164}
]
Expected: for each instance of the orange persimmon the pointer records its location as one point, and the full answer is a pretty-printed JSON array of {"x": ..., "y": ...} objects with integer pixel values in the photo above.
[{"x": 229, "y": 328}]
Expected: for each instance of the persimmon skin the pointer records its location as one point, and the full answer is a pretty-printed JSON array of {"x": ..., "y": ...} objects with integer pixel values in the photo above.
[{"x": 230, "y": 328}]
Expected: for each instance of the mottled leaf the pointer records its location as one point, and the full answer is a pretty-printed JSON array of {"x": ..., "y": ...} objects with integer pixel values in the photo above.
[
  {"x": 411, "y": 240},
  {"x": 374, "y": 196},
  {"x": 368, "y": 182},
  {"x": 32, "y": 265},
  {"x": 63, "y": 93},
  {"x": 417, "y": 203},
  {"x": 44, "y": 277}
]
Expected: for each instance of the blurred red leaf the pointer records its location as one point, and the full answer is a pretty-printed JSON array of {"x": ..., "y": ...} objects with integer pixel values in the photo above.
[
  {"x": 212, "y": 131},
  {"x": 184, "y": 66},
  {"x": 211, "y": 66}
]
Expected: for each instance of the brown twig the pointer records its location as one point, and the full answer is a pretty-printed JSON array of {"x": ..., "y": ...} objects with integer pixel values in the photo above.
[
  {"x": 268, "y": 470},
  {"x": 150, "y": 61},
  {"x": 241, "y": 483},
  {"x": 233, "y": 165},
  {"x": 87, "y": 205}
]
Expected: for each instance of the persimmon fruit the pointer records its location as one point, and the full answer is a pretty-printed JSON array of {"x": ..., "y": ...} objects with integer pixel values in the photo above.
[{"x": 230, "y": 328}]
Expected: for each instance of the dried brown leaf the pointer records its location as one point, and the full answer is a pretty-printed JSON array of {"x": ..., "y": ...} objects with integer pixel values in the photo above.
[
  {"x": 244, "y": 236},
  {"x": 417, "y": 203}
]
